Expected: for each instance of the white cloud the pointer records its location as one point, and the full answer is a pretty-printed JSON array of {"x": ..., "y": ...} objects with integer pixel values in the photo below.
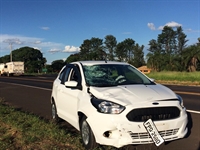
[
  {"x": 160, "y": 28},
  {"x": 71, "y": 49},
  {"x": 13, "y": 41},
  {"x": 173, "y": 24},
  {"x": 54, "y": 50},
  {"x": 44, "y": 28},
  {"x": 37, "y": 42},
  {"x": 21, "y": 41},
  {"x": 170, "y": 24},
  {"x": 151, "y": 26}
]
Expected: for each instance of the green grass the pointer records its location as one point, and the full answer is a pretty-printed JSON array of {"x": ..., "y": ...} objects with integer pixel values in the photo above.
[
  {"x": 187, "y": 78},
  {"x": 23, "y": 130}
]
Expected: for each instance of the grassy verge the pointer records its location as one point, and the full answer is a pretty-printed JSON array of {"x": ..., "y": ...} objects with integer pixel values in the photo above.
[
  {"x": 183, "y": 78},
  {"x": 23, "y": 130}
]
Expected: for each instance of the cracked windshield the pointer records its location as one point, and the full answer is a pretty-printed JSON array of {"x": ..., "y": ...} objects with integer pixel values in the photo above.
[{"x": 113, "y": 75}]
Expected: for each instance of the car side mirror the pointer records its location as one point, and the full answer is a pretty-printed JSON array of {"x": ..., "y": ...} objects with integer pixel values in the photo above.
[{"x": 73, "y": 85}]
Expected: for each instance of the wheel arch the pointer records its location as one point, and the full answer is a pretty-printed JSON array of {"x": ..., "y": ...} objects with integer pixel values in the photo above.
[
  {"x": 52, "y": 100},
  {"x": 80, "y": 116}
]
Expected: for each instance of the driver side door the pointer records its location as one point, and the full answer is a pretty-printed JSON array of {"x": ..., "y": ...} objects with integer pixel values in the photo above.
[{"x": 68, "y": 97}]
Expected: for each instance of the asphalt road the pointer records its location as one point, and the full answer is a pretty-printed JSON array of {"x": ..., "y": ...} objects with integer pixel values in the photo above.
[
  {"x": 190, "y": 94},
  {"x": 32, "y": 94}
]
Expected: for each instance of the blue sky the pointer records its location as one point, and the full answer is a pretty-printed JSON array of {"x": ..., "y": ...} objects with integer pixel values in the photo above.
[{"x": 58, "y": 27}]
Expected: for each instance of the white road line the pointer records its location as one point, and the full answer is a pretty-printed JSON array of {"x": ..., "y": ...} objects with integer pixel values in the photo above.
[
  {"x": 190, "y": 93},
  {"x": 193, "y": 111},
  {"x": 28, "y": 86}
]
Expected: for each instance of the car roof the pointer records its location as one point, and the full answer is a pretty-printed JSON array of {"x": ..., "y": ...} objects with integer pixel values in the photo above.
[{"x": 88, "y": 63}]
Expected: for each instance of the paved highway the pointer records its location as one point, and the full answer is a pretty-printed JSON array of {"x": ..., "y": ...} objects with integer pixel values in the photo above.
[
  {"x": 32, "y": 94},
  {"x": 190, "y": 94}
]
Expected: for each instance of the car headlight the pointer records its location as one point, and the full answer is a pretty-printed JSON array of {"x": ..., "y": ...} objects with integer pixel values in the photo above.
[
  {"x": 107, "y": 107},
  {"x": 180, "y": 100}
]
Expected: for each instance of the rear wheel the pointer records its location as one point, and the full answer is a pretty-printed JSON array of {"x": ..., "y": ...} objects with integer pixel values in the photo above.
[
  {"x": 55, "y": 117},
  {"x": 87, "y": 135}
]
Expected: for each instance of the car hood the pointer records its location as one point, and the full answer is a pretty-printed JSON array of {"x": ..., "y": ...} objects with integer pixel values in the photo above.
[{"x": 130, "y": 94}]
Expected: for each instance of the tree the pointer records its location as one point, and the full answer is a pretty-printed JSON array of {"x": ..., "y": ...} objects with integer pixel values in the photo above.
[
  {"x": 57, "y": 65},
  {"x": 124, "y": 50},
  {"x": 33, "y": 58},
  {"x": 120, "y": 52},
  {"x": 181, "y": 40},
  {"x": 97, "y": 51},
  {"x": 154, "y": 56},
  {"x": 167, "y": 41},
  {"x": 129, "y": 47},
  {"x": 49, "y": 68},
  {"x": 92, "y": 49},
  {"x": 191, "y": 56},
  {"x": 110, "y": 46},
  {"x": 85, "y": 49},
  {"x": 138, "y": 53},
  {"x": 72, "y": 58},
  {"x": 166, "y": 52},
  {"x": 5, "y": 59}
]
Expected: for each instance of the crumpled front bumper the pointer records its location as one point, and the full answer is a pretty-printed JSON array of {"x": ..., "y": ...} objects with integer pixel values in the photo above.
[{"x": 118, "y": 131}]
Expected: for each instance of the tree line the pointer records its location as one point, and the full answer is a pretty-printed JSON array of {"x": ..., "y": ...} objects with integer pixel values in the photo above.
[
  {"x": 171, "y": 53},
  {"x": 168, "y": 52},
  {"x": 97, "y": 49}
]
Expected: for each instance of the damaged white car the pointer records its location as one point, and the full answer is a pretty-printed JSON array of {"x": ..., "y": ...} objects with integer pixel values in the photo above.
[{"x": 112, "y": 103}]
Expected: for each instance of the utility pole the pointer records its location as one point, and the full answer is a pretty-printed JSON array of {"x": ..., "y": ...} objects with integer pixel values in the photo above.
[
  {"x": 11, "y": 42},
  {"x": 10, "y": 51}
]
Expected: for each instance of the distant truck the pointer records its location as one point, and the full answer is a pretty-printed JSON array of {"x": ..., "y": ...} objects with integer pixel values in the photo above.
[{"x": 12, "y": 68}]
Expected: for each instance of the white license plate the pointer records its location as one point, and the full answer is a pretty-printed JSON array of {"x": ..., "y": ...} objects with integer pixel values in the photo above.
[{"x": 153, "y": 132}]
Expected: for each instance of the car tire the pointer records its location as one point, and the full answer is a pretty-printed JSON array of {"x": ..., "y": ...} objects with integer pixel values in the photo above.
[
  {"x": 54, "y": 114},
  {"x": 87, "y": 135}
]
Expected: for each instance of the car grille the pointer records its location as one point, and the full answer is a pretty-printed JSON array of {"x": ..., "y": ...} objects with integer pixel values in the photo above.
[
  {"x": 154, "y": 113},
  {"x": 145, "y": 135}
]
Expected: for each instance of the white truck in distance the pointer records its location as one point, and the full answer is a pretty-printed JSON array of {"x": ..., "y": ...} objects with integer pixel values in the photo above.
[{"x": 11, "y": 68}]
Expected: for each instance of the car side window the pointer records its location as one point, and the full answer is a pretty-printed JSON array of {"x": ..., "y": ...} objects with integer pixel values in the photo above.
[
  {"x": 75, "y": 74},
  {"x": 61, "y": 74},
  {"x": 65, "y": 75}
]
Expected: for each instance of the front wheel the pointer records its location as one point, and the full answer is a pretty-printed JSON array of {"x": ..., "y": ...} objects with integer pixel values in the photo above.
[
  {"x": 55, "y": 117},
  {"x": 87, "y": 135}
]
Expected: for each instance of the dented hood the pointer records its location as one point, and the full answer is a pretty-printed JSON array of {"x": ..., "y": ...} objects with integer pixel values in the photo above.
[{"x": 130, "y": 94}]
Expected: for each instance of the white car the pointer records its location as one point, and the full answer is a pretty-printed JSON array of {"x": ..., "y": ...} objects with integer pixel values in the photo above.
[{"x": 113, "y": 103}]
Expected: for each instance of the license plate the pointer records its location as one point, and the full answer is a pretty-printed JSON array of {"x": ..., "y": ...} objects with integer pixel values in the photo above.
[{"x": 153, "y": 132}]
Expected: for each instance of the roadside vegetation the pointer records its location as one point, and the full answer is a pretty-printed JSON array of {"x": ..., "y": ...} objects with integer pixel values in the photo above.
[
  {"x": 179, "y": 78},
  {"x": 22, "y": 130},
  {"x": 25, "y": 131}
]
